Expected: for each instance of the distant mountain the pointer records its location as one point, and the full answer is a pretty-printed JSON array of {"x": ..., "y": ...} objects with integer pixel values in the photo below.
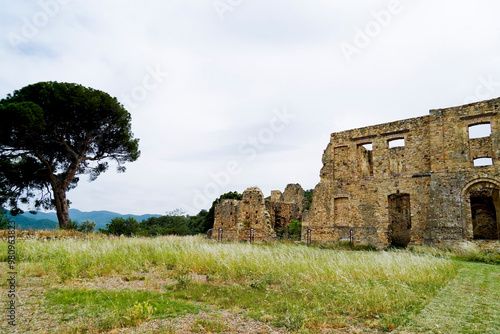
[
  {"x": 48, "y": 220},
  {"x": 26, "y": 222}
]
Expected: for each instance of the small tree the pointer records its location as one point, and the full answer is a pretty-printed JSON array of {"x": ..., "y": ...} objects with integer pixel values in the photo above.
[
  {"x": 119, "y": 226},
  {"x": 295, "y": 228},
  {"x": 308, "y": 194},
  {"x": 86, "y": 226},
  {"x": 52, "y": 132}
]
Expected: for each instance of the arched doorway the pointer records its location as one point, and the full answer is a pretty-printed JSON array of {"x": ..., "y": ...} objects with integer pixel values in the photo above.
[{"x": 482, "y": 209}]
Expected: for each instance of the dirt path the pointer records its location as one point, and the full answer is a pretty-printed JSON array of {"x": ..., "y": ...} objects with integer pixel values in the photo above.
[{"x": 469, "y": 304}]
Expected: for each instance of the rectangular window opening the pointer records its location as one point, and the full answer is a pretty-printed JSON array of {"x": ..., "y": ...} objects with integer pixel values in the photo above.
[
  {"x": 396, "y": 143},
  {"x": 368, "y": 147},
  {"x": 483, "y": 162},
  {"x": 479, "y": 130},
  {"x": 366, "y": 159}
]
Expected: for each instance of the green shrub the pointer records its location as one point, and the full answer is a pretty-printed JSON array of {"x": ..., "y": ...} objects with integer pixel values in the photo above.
[
  {"x": 119, "y": 226},
  {"x": 86, "y": 226},
  {"x": 72, "y": 225},
  {"x": 295, "y": 228}
]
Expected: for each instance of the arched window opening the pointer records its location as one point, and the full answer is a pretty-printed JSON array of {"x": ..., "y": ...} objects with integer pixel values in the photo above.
[{"x": 484, "y": 205}]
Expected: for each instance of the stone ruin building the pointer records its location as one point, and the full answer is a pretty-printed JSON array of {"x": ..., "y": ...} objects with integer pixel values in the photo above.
[
  {"x": 428, "y": 179},
  {"x": 254, "y": 217}
]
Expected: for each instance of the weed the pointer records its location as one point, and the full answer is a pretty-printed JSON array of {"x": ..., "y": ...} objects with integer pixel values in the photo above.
[
  {"x": 130, "y": 278},
  {"x": 210, "y": 326},
  {"x": 141, "y": 311},
  {"x": 293, "y": 318},
  {"x": 183, "y": 278},
  {"x": 116, "y": 309}
]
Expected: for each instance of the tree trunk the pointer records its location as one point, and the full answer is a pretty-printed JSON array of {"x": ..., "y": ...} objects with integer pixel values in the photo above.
[
  {"x": 62, "y": 207},
  {"x": 59, "y": 188}
]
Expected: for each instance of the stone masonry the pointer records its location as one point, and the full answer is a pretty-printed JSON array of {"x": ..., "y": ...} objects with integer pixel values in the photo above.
[
  {"x": 257, "y": 218},
  {"x": 420, "y": 180}
]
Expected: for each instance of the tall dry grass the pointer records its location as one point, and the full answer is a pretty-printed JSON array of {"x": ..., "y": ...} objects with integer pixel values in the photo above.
[
  {"x": 297, "y": 285},
  {"x": 283, "y": 262}
]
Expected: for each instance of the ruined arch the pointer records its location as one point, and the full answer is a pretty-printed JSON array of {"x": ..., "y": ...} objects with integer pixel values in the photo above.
[{"x": 480, "y": 200}]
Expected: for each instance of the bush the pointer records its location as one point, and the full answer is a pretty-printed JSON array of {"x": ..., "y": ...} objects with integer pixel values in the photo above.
[
  {"x": 290, "y": 232},
  {"x": 119, "y": 226},
  {"x": 72, "y": 225},
  {"x": 87, "y": 226},
  {"x": 295, "y": 228}
]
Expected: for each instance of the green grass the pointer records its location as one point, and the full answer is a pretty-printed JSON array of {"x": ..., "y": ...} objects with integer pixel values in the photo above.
[
  {"x": 298, "y": 287},
  {"x": 469, "y": 304},
  {"x": 466, "y": 251},
  {"x": 382, "y": 303},
  {"x": 116, "y": 309}
]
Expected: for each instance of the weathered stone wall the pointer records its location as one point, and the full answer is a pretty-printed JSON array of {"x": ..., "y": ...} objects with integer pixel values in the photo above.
[
  {"x": 429, "y": 177},
  {"x": 282, "y": 213},
  {"x": 238, "y": 219},
  {"x": 295, "y": 194},
  {"x": 454, "y": 176},
  {"x": 226, "y": 217},
  {"x": 276, "y": 196},
  {"x": 254, "y": 215}
]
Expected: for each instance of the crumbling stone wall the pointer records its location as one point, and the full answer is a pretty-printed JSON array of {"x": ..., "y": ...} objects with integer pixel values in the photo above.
[
  {"x": 276, "y": 196},
  {"x": 417, "y": 191},
  {"x": 295, "y": 194},
  {"x": 257, "y": 218},
  {"x": 226, "y": 217},
  {"x": 282, "y": 213},
  {"x": 254, "y": 215}
]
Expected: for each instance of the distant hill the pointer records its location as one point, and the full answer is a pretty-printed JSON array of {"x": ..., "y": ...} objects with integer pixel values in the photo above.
[{"x": 48, "y": 220}]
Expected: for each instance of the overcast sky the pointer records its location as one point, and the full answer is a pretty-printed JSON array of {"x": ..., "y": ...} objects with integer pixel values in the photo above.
[{"x": 229, "y": 94}]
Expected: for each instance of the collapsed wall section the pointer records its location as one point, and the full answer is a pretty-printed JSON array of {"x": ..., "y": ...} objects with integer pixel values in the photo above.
[
  {"x": 254, "y": 218},
  {"x": 282, "y": 213}
]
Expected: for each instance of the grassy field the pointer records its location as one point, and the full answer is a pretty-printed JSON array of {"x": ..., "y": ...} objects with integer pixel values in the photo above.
[
  {"x": 134, "y": 282},
  {"x": 469, "y": 304}
]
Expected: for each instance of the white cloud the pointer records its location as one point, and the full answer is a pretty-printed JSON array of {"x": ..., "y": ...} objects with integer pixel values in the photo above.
[{"x": 226, "y": 76}]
